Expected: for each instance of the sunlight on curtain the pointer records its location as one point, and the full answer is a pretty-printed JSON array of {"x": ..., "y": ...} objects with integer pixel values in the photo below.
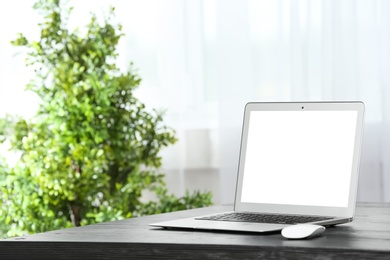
[
  {"x": 309, "y": 50},
  {"x": 203, "y": 60},
  {"x": 13, "y": 74}
]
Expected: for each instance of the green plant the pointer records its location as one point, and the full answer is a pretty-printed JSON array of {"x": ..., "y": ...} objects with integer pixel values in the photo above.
[{"x": 93, "y": 148}]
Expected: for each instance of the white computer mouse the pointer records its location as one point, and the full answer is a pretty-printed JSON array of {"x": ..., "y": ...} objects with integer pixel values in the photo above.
[{"x": 302, "y": 231}]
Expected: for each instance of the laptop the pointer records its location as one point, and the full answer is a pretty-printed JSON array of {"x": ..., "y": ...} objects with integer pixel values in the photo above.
[{"x": 298, "y": 163}]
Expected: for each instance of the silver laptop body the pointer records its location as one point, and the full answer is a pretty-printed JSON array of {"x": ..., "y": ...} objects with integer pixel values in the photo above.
[{"x": 296, "y": 158}]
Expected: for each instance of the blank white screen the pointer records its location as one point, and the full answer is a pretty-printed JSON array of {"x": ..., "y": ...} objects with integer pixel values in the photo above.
[{"x": 299, "y": 157}]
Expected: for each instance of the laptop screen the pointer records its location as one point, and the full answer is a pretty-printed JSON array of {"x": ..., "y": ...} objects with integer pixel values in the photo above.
[{"x": 299, "y": 157}]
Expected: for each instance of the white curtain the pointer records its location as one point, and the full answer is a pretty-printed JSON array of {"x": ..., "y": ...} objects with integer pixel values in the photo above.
[
  {"x": 308, "y": 50},
  {"x": 203, "y": 60}
]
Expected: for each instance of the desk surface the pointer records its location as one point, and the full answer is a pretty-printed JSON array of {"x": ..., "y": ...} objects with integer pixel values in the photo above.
[{"x": 367, "y": 237}]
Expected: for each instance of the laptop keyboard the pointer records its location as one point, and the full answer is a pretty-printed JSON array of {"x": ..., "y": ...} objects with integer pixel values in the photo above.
[{"x": 263, "y": 218}]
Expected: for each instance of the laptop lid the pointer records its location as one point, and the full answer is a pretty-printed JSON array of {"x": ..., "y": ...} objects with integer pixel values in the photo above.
[{"x": 300, "y": 158}]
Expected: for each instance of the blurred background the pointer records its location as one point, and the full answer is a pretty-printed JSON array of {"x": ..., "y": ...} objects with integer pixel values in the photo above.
[{"x": 202, "y": 61}]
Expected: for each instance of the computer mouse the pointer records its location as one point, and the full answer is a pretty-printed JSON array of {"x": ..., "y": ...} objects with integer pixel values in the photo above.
[{"x": 302, "y": 231}]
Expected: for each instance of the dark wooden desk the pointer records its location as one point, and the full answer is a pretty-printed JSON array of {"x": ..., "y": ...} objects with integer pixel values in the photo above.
[{"x": 367, "y": 237}]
